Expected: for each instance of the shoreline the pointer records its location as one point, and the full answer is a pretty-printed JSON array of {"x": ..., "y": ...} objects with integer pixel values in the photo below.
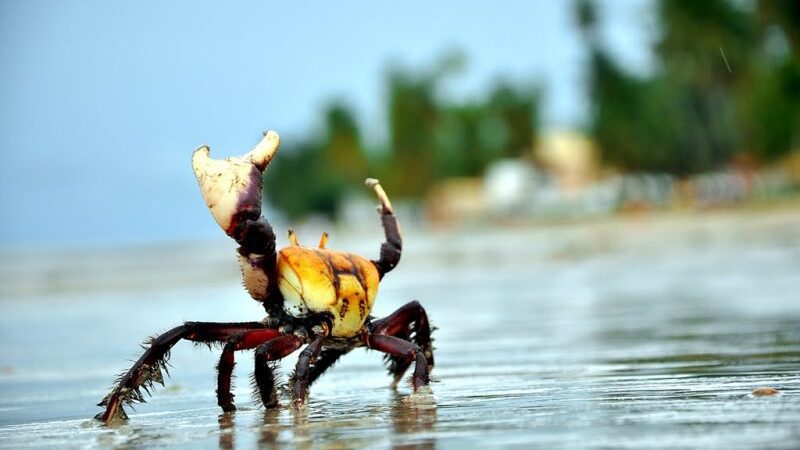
[{"x": 40, "y": 272}]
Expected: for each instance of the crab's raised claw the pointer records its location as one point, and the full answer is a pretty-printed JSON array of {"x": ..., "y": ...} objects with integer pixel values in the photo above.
[{"x": 231, "y": 187}]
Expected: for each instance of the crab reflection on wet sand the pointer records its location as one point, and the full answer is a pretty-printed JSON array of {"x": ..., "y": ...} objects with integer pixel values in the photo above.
[
  {"x": 413, "y": 421},
  {"x": 316, "y": 297}
]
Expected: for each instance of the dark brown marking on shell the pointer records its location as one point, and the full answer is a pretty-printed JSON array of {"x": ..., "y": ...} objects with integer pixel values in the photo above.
[
  {"x": 343, "y": 308},
  {"x": 358, "y": 272},
  {"x": 338, "y": 271},
  {"x": 332, "y": 273},
  {"x": 362, "y": 307}
]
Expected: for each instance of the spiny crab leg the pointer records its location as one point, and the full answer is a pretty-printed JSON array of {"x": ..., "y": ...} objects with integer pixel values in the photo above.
[{"x": 232, "y": 186}]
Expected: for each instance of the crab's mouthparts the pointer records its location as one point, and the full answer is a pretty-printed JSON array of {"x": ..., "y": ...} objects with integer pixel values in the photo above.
[{"x": 233, "y": 186}]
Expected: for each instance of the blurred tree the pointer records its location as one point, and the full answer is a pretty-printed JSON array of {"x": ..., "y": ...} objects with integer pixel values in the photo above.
[
  {"x": 516, "y": 110},
  {"x": 699, "y": 42},
  {"x": 714, "y": 91},
  {"x": 784, "y": 14},
  {"x": 432, "y": 140},
  {"x": 633, "y": 120},
  {"x": 772, "y": 103},
  {"x": 311, "y": 177},
  {"x": 299, "y": 182},
  {"x": 342, "y": 149},
  {"x": 429, "y": 140},
  {"x": 466, "y": 141},
  {"x": 472, "y": 135},
  {"x": 414, "y": 117}
]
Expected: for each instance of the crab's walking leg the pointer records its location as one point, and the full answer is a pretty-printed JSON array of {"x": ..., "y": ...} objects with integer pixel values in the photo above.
[
  {"x": 393, "y": 246},
  {"x": 399, "y": 347},
  {"x": 272, "y": 350},
  {"x": 410, "y": 323},
  {"x": 147, "y": 368},
  {"x": 224, "y": 374},
  {"x": 244, "y": 341},
  {"x": 302, "y": 370}
]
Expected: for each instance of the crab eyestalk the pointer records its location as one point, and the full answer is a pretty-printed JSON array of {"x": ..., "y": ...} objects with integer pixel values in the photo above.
[
  {"x": 231, "y": 187},
  {"x": 323, "y": 240},
  {"x": 293, "y": 238}
]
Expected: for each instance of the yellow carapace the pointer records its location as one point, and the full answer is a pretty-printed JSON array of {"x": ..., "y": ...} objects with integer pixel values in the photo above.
[{"x": 318, "y": 280}]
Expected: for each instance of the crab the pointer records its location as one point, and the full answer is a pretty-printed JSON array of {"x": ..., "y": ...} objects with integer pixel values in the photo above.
[{"x": 317, "y": 297}]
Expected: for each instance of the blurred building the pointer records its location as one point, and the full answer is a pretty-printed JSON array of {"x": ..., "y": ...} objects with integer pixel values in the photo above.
[
  {"x": 570, "y": 157},
  {"x": 457, "y": 200},
  {"x": 564, "y": 179},
  {"x": 559, "y": 179}
]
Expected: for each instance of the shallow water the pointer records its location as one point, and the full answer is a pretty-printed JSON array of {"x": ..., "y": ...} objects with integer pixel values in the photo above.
[{"x": 636, "y": 335}]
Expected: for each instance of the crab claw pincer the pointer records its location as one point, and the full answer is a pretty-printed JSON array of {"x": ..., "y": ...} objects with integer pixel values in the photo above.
[{"x": 231, "y": 187}]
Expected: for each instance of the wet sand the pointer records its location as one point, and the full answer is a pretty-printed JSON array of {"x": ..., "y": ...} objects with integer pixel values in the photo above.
[{"x": 649, "y": 332}]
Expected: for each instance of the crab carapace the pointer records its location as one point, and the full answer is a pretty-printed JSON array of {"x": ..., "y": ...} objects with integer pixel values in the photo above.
[{"x": 315, "y": 297}]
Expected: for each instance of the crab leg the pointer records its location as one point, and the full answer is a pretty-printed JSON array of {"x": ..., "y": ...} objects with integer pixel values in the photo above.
[
  {"x": 224, "y": 374},
  {"x": 272, "y": 350},
  {"x": 244, "y": 341},
  {"x": 148, "y": 367},
  {"x": 410, "y": 323},
  {"x": 302, "y": 370},
  {"x": 393, "y": 246},
  {"x": 399, "y": 347}
]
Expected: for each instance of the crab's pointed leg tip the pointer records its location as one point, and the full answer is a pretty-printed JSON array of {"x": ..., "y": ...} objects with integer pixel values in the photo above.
[{"x": 371, "y": 182}]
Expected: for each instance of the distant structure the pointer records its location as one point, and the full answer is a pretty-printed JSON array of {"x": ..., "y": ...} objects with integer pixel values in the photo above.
[
  {"x": 562, "y": 177},
  {"x": 570, "y": 157}
]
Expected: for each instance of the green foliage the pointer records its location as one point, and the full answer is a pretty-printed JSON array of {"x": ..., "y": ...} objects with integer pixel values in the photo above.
[
  {"x": 414, "y": 116},
  {"x": 772, "y": 103},
  {"x": 773, "y": 114},
  {"x": 298, "y": 182},
  {"x": 311, "y": 176},
  {"x": 714, "y": 92},
  {"x": 429, "y": 140}
]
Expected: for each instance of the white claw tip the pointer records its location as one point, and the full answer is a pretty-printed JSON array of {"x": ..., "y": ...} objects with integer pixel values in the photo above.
[
  {"x": 371, "y": 182},
  {"x": 200, "y": 152},
  {"x": 226, "y": 183},
  {"x": 263, "y": 152}
]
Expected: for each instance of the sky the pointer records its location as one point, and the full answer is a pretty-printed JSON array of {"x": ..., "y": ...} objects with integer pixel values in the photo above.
[{"x": 102, "y": 103}]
